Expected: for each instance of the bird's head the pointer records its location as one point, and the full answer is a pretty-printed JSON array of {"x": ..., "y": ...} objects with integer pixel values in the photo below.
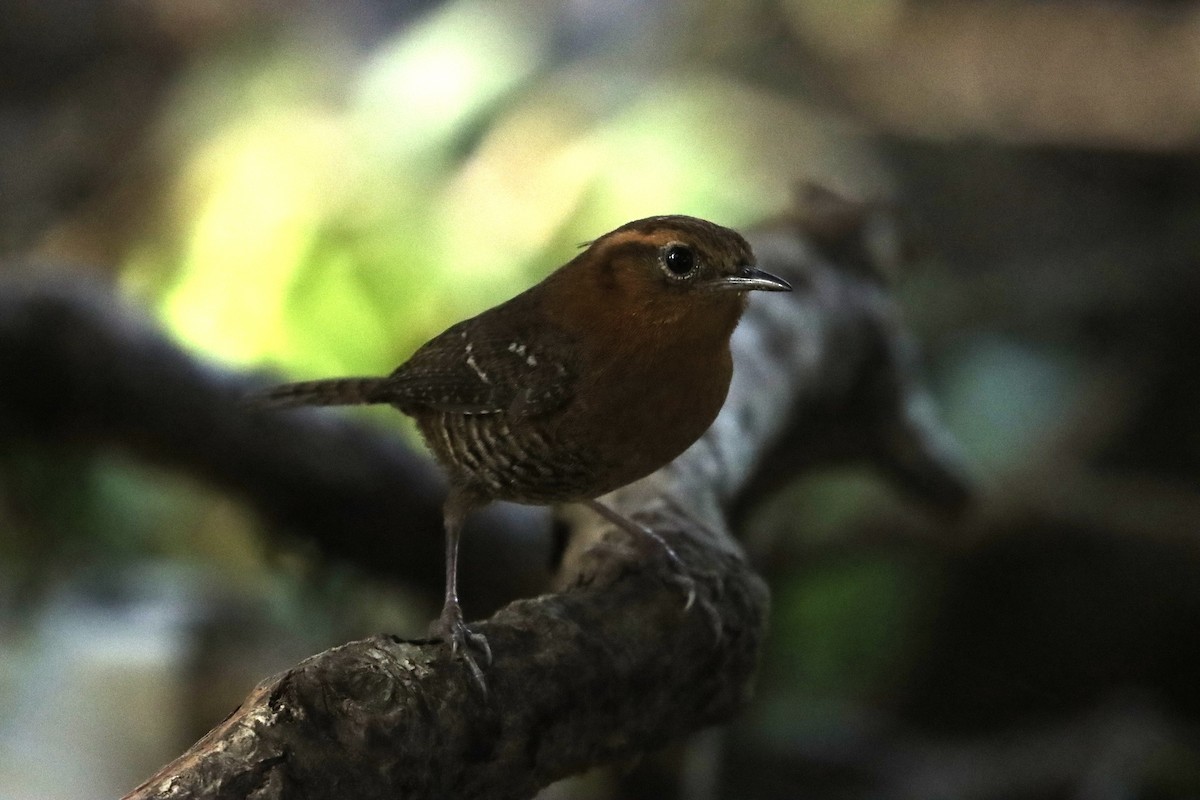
[
  {"x": 667, "y": 270},
  {"x": 681, "y": 255}
]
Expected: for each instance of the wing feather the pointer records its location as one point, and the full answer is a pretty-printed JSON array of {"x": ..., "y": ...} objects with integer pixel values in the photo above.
[{"x": 480, "y": 369}]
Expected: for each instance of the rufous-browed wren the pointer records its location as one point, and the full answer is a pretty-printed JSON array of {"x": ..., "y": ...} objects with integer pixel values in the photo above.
[{"x": 597, "y": 376}]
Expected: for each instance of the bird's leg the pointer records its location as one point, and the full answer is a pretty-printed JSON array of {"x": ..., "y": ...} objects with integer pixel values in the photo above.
[
  {"x": 682, "y": 579},
  {"x": 449, "y": 626}
]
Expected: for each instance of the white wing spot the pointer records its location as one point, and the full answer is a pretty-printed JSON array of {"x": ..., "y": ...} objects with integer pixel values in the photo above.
[
  {"x": 471, "y": 363},
  {"x": 523, "y": 351}
]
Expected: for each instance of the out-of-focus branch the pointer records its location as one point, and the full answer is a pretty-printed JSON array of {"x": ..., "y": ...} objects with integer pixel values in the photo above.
[
  {"x": 79, "y": 368},
  {"x": 868, "y": 403},
  {"x": 1095, "y": 74}
]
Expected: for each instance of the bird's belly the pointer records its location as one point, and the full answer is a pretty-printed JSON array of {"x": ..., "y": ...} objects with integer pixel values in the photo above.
[
  {"x": 601, "y": 441},
  {"x": 524, "y": 463}
]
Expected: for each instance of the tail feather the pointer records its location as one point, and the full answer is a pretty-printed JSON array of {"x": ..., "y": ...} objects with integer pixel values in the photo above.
[{"x": 335, "y": 392}]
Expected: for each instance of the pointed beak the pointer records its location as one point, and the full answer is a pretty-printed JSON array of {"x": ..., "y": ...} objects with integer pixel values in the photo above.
[{"x": 750, "y": 278}]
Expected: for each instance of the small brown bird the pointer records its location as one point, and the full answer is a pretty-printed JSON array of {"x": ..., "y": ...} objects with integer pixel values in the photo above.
[{"x": 597, "y": 376}]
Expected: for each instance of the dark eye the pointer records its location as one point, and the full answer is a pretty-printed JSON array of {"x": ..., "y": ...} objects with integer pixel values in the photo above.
[{"x": 679, "y": 259}]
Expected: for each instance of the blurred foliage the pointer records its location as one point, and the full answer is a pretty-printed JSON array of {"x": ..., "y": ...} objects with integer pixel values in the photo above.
[
  {"x": 63, "y": 511},
  {"x": 848, "y": 621},
  {"x": 1007, "y": 402},
  {"x": 328, "y": 215},
  {"x": 847, "y": 630}
]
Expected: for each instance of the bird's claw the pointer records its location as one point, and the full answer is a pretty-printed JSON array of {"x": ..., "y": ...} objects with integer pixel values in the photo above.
[
  {"x": 685, "y": 582},
  {"x": 680, "y": 577},
  {"x": 686, "y": 585},
  {"x": 451, "y": 628}
]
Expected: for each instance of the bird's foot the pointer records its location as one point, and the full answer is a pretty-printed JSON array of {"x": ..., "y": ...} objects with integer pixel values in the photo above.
[
  {"x": 679, "y": 576},
  {"x": 450, "y": 628}
]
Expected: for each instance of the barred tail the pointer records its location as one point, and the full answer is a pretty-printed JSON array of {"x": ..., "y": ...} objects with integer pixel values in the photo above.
[{"x": 335, "y": 392}]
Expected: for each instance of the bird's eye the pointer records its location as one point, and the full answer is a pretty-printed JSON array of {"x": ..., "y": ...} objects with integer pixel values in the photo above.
[{"x": 679, "y": 259}]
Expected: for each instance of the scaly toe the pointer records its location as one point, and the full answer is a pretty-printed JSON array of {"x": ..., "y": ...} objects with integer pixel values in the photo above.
[
  {"x": 680, "y": 579},
  {"x": 478, "y": 640},
  {"x": 451, "y": 629}
]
